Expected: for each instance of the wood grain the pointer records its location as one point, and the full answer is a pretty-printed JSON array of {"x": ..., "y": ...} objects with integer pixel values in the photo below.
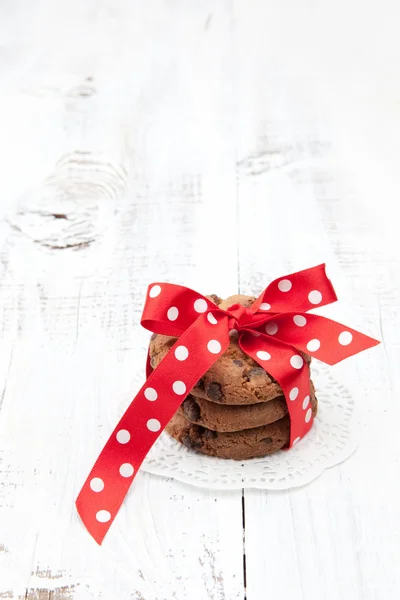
[
  {"x": 119, "y": 195},
  {"x": 337, "y": 536},
  {"x": 217, "y": 145}
]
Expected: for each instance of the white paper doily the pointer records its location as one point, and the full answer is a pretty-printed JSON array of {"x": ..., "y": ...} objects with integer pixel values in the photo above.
[{"x": 331, "y": 440}]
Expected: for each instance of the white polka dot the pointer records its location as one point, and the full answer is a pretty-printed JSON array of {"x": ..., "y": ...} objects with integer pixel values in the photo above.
[
  {"x": 181, "y": 353},
  {"x": 179, "y": 388},
  {"x": 296, "y": 361},
  {"x": 103, "y": 516},
  {"x": 313, "y": 345},
  {"x": 123, "y": 436},
  {"x": 214, "y": 347},
  {"x": 265, "y": 306},
  {"x": 155, "y": 291},
  {"x": 126, "y": 470},
  {"x": 153, "y": 425},
  {"x": 285, "y": 285},
  {"x": 271, "y": 328},
  {"x": 294, "y": 392},
  {"x": 262, "y": 355},
  {"x": 97, "y": 484},
  {"x": 233, "y": 332},
  {"x": 345, "y": 338},
  {"x": 173, "y": 313},
  {"x": 150, "y": 394},
  {"x": 200, "y": 305},
  {"x": 306, "y": 402},
  {"x": 296, "y": 441},
  {"x": 299, "y": 320},
  {"x": 308, "y": 415},
  {"x": 255, "y": 333},
  {"x": 315, "y": 297},
  {"x": 212, "y": 319}
]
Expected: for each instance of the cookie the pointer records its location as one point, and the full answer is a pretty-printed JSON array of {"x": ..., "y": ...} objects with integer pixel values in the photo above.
[
  {"x": 233, "y": 418},
  {"x": 235, "y": 378},
  {"x": 238, "y": 445}
]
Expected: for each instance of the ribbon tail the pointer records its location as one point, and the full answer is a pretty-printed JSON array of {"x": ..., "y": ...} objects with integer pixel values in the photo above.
[
  {"x": 291, "y": 371},
  {"x": 149, "y": 368},
  {"x": 151, "y": 410}
]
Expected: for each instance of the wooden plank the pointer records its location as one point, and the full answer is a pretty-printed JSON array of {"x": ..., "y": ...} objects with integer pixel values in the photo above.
[
  {"x": 125, "y": 176},
  {"x": 307, "y": 192}
]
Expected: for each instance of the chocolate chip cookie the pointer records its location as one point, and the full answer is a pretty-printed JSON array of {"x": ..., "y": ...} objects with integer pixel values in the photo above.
[
  {"x": 235, "y": 378},
  {"x": 238, "y": 445},
  {"x": 233, "y": 418}
]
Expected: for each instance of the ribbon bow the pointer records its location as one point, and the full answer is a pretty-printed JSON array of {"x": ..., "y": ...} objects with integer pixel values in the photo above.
[{"x": 274, "y": 332}]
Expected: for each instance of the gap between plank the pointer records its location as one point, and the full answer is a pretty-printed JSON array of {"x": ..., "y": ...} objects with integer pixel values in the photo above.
[{"x": 244, "y": 544}]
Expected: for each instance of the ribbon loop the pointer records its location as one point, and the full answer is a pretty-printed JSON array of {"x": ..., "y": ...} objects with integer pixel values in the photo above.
[
  {"x": 299, "y": 291},
  {"x": 170, "y": 309}
]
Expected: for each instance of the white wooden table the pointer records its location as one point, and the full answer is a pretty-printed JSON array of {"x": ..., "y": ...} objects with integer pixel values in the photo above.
[{"x": 217, "y": 144}]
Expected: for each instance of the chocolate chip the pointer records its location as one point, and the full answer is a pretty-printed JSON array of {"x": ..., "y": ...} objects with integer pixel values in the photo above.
[
  {"x": 153, "y": 337},
  {"x": 214, "y": 298},
  {"x": 153, "y": 362},
  {"x": 208, "y": 434},
  {"x": 214, "y": 391},
  {"x": 256, "y": 372},
  {"x": 190, "y": 442},
  {"x": 200, "y": 384},
  {"x": 238, "y": 362},
  {"x": 267, "y": 440},
  {"x": 191, "y": 409},
  {"x": 247, "y": 303}
]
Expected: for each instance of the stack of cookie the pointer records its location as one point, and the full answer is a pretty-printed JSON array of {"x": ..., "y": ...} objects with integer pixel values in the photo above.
[{"x": 236, "y": 410}]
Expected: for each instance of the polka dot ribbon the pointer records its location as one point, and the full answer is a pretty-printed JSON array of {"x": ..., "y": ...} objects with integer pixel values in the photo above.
[{"x": 274, "y": 331}]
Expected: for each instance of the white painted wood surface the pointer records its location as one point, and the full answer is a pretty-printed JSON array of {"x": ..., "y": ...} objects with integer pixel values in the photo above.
[{"x": 215, "y": 144}]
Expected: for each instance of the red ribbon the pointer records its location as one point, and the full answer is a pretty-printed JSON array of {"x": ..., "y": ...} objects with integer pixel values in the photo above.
[{"x": 272, "y": 332}]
